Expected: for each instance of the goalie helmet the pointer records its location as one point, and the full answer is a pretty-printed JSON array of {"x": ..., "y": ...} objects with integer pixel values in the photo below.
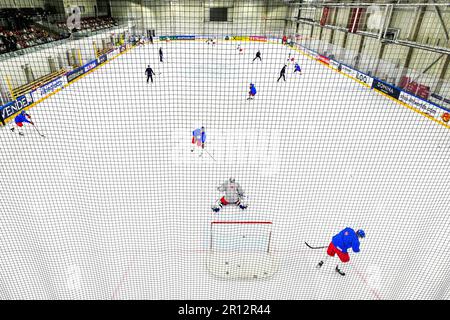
[{"x": 232, "y": 180}]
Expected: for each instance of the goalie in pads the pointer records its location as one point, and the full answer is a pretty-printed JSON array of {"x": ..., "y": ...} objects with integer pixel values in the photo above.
[{"x": 233, "y": 194}]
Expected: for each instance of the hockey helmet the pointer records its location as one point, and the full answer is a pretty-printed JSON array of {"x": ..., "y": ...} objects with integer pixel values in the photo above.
[{"x": 360, "y": 233}]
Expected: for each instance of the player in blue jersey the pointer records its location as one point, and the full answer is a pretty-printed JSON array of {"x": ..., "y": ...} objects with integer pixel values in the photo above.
[
  {"x": 252, "y": 92},
  {"x": 20, "y": 119},
  {"x": 199, "y": 139},
  {"x": 297, "y": 68},
  {"x": 341, "y": 243}
]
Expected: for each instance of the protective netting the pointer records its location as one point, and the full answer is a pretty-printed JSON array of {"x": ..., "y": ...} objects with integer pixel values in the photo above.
[{"x": 108, "y": 194}]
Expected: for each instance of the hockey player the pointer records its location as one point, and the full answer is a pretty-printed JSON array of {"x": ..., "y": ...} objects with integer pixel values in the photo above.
[
  {"x": 240, "y": 49},
  {"x": 233, "y": 194},
  {"x": 199, "y": 139},
  {"x": 340, "y": 243},
  {"x": 138, "y": 41},
  {"x": 252, "y": 92},
  {"x": 258, "y": 56},
  {"x": 297, "y": 68},
  {"x": 20, "y": 119},
  {"x": 133, "y": 40},
  {"x": 211, "y": 41},
  {"x": 291, "y": 58},
  {"x": 284, "y": 39},
  {"x": 150, "y": 73},
  {"x": 283, "y": 73},
  {"x": 161, "y": 55}
]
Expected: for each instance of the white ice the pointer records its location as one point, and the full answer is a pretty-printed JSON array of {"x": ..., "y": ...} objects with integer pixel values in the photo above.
[{"x": 113, "y": 205}]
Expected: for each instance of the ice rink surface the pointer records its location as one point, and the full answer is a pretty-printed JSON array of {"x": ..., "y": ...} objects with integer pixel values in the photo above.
[{"x": 113, "y": 205}]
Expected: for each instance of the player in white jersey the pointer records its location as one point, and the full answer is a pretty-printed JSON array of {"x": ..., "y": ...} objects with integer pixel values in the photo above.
[
  {"x": 233, "y": 194},
  {"x": 240, "y": 49}
]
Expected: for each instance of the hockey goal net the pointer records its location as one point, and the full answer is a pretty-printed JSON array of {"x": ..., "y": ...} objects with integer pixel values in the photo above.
[{"x": 241, "y": 250}]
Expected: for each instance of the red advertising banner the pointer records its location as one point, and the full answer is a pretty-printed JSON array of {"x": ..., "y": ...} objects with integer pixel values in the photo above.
[
  {"x": 258, "y": 38},
  {"x": 423, "y": 91},
  {"x": 325, "y": 13},
  {"x": 351, "y": 19},
  {"x": 323, "y": 59},
  {"x": 355, "y": 19},
  {"x": 418, "y": 89}
]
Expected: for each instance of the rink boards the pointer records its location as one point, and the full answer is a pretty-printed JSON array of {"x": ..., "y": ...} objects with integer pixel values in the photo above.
[{"x": 424, "y": 107}]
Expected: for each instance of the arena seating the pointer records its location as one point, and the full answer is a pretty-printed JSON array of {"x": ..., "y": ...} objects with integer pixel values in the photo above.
[
  {"x": 11, "y": 40},
  {"x": 92, "y": 24},
  {"x": 20, "y": 28}
]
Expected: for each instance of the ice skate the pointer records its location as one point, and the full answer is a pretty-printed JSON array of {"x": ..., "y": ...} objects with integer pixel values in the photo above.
[
  {"x": 18, "y": 131},
  {"x": 340, "y": 271}
]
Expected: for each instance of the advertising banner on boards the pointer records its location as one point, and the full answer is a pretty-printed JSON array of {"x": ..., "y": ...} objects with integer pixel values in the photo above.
[
  {"x": 386, "y": 88},
  {"x": 14, "y": 107},
  {"x": 49, "y": 88}
]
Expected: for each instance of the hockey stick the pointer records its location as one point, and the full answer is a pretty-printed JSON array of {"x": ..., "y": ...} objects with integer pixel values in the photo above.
[
  {"x": 315, "y": 247},
  {"x": 210, "y": 155},
  {"x": 38, "y": 131}
]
